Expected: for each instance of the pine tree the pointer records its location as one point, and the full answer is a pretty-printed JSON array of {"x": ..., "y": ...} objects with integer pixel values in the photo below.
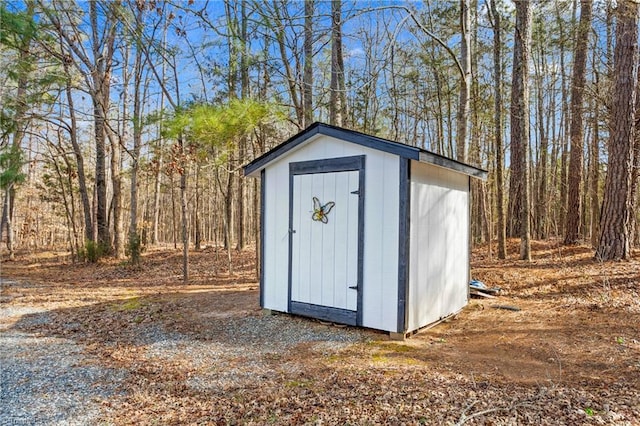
[{"x": 615, "y": 227}]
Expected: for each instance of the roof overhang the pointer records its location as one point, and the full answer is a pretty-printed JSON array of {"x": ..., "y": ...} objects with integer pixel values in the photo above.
[
  {"x": 438, "y": 160},
  {"x": 406, "y": 151}
]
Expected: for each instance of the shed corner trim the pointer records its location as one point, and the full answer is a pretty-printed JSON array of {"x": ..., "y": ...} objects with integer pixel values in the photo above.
[{"x": 404, "y": 217}]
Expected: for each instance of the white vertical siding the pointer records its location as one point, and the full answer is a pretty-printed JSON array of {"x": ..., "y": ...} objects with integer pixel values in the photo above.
[
  {"x": 380, "y": 297},
  {"x": 380, "y": 275},
  {"x": 276, "y": 239},
  {"x": 439, "y": 244}
]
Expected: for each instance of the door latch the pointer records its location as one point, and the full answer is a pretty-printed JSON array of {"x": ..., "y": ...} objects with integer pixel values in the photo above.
[
  {"x": 356, "y": 192},
  {"x": 353, "y": 287}
]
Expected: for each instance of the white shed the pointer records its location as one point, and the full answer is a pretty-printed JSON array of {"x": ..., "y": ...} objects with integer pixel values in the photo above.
[{"x": 363, "y": 231}]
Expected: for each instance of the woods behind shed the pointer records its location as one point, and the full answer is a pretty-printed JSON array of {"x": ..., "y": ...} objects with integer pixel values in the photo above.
[{"x": 363, "y": 231}]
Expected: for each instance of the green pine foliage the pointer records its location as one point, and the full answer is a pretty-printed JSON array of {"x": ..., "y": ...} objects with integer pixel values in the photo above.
[
  {"x": 206, "y": 126},
  {"x": 134, "y": 249},
  {"x": 10, "y": 167},
  {"x": 14, "y": 27},
  {"x": 93, "y": 251}
]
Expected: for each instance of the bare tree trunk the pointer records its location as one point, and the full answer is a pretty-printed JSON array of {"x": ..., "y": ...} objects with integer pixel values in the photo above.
[
  {"x": 24, "y": 69},
  {"x": 226, "y": 225},
  {"x": 475, "y": 157},
  {"x": 104, "y": 236},
  {"x": 196, "y": 211},
  {"x": 185, "y": 224},
  {"x": 616, "y": 206},
  {"x": 564, "y": 128},
  {"x": 395, "y": 119},
  {"x": 240, "y": 240},
  {"x": 307, "y": 78},
  {"x": 82, "y": 179},
  {"x": 67, "y": 200},
  {"x": 515, "y": 191},
  {"x": 635, "y": 174},
  {"x": 541, "y": 187},
  {"x": 520, "y": 120},
  {"x": 439, "y": 112},
  {"x": 137, "y": 138},
  {"x": 118, "y": 139},
  {"x": 337, "y": 96},
  {"x": 116, "y": 183},
  {"x": 157, "y": 183},
  {"x": 292, "y": 82},
  {"x": 574, "y": 207},
  {"x": 232, "y": 24},
  {"x": 499, "y": 146},
  {"x": 595, "y": 172},
  {"x": 158, "y": 164},
  {"x": 242, "y": 144},
  {"x": 465, "y": 85},
  {"x": 103, "y": 50},
  {"x": 609, "y": 24},
  {"x": 173, "y": 216},
  {"x": 228, "y": 213},
  {"x": 7, "y": 219}
]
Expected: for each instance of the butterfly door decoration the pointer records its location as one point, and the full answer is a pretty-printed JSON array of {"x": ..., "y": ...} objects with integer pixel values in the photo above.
[{"x": 321, "y": 211}]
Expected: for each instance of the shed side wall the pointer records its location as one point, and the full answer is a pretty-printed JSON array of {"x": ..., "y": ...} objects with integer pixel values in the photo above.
[
  {"x": 380, "y": 263},
  {"x": 439, "y": 244}
]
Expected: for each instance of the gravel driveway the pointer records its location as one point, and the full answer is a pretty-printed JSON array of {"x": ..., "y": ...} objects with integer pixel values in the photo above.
[
  {"x": 47, "y": 380},
  {"x": 51, "y": 380}
]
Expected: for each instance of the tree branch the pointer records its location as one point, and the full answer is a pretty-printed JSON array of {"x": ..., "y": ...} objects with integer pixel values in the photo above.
[{"x": 424, "y": 29}]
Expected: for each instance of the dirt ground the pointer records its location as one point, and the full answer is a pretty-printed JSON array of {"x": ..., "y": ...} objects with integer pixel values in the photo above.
[{"x": 569, "y": 354}]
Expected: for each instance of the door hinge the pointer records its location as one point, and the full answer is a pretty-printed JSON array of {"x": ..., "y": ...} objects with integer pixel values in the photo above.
[
  {"x": 356, "y": 192},
  {"x": 292, "y": 231},
  {"x": 353, "y": 287}
]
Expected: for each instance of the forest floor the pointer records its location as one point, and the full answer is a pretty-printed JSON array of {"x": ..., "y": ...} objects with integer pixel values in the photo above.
[{"x": 205, "y": 353}]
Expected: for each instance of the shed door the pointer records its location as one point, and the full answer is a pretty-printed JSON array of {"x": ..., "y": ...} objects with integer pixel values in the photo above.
[{"x": 325, "y": 228}]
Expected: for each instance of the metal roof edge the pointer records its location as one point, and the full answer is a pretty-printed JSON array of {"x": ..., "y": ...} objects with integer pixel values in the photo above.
[
  {"x": 374, "y": 142},
  {"x": 429, "y": 157}
]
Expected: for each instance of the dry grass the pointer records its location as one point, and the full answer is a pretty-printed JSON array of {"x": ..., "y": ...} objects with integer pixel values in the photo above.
[{"x": 571, "y": 355}]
